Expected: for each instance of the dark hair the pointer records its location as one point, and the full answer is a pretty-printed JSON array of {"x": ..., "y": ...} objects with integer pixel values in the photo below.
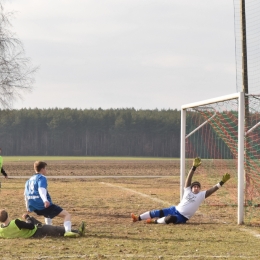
[
  {"x": 3, "y": 215},
  {"x": 38, "y": 165},
  {"x": 195, "y": 183}
]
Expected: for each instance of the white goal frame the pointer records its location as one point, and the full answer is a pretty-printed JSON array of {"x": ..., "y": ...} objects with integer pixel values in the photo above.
[{"x": 241, "y": 133}]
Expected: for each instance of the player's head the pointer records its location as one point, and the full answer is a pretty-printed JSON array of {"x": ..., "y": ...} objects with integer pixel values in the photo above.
[
  {"x": 3, "y": 215},
  {"x": 39, "y": 166},
  {"x": 195, "y": 187}
]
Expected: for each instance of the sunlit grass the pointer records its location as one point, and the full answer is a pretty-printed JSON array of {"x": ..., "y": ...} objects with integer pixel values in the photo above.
[{"x": 106, "y": 205}]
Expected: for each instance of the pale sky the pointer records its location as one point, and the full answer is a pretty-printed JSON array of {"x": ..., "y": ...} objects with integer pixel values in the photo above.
[{"x": 144, "y": 54}]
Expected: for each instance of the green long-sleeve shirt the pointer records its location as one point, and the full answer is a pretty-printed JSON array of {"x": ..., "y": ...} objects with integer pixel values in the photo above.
[
  {"x": 17, "y": 228},
  {"x": 1, "y": 161}
]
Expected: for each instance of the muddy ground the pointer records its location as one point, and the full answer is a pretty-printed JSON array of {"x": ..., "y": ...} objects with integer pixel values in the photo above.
[{"x": 99, "y": 168}]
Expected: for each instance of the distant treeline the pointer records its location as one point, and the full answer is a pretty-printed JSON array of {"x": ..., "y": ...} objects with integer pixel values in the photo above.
[{"x": 91, "y": 132}]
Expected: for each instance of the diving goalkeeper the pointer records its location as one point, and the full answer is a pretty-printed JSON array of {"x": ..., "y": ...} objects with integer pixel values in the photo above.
[{"x": 192, "y": 199}]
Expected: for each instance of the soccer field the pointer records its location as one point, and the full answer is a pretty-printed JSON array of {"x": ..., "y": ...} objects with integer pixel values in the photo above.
[{"x": 106, "y": 204}]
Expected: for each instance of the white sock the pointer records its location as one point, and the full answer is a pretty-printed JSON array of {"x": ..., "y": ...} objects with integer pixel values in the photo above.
[
  {"x": 48, "y": 221},
  {"x": 161, "y": 220},
  {"x": 145, "y": 215},
  {"x": 67, "y": 226}
]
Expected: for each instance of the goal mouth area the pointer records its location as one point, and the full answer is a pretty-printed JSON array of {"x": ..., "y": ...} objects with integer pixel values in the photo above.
[
  {"x": 225, "y": 133},
  {"x": 215, "y": 132}
]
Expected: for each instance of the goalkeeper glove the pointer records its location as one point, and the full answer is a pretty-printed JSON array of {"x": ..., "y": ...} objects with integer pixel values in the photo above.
[
  {"x": 225, "y": 178},
  {"x": 196, "y": 163}
]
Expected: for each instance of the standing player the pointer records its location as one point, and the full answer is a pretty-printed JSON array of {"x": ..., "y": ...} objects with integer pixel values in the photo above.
[
  {"x": 1, "y": 165},
  {"x": 38, "y": 199},
  {"x": 192, "y": 199}
]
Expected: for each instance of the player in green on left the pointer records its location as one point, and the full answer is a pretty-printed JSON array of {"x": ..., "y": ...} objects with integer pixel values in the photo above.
[{"x": 1, "y": 165}]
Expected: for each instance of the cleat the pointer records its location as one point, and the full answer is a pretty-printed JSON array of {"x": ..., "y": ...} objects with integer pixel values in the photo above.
[
  {"x": 71, "y": 234},
  {"x": 82, "y": 228},
  {"x": 134, "y": 217},
  {"x": 150, "y": 221}
]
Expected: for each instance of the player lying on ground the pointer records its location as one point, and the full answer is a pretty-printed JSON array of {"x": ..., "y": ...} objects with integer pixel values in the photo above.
[
  {"x": 192, "y": 199},
  {"x": 38, "y": 199},
  {"x": 31, "y": 227}
]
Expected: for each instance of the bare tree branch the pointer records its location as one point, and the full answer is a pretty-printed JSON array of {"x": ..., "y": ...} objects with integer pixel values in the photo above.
[{"x": 16, "y": 71}]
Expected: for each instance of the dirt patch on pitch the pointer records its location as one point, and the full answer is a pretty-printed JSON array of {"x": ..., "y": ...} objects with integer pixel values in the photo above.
[{"x": 99, "y": 168}]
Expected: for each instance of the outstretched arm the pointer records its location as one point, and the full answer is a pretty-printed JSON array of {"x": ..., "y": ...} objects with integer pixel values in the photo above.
[
  {"x": 22, "y": 224},
  {"x": 196, "y": 163},
  {"x": 210, "y": 191}
]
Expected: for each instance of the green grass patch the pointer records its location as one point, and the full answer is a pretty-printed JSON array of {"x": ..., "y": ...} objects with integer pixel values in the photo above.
[{"x": 106, "y": 205}]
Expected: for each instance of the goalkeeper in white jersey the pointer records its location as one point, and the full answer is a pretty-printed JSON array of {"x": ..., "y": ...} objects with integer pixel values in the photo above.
[{"x": 192, "y": 199}]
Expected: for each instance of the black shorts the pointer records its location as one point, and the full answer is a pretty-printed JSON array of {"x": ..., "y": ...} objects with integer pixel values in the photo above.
[{"x": 50, "y": 212}]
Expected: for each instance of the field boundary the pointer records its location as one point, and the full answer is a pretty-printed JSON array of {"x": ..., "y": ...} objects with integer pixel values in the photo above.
[
  {"x": 91, "y": 177},
  {"x": 111, "y": 256}
]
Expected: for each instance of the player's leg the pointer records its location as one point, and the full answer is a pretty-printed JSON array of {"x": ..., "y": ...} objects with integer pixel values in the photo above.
[
  {"x": 175, "y": 218},
  {"x": 4, "y": 173},
  {"x": 48, "y": 221},
  {"x": 67, "y": 224},
  {"x": 143, "y": 216},
  {"x": 54, "y": 231},
  {"x": 67, "y": 219},
  {"x": 167, "y": 220},
  {"x": 48, "y": 230},
  {"x": 56, "y": 211},
  {"x": 164, "y": 216},
  {"x": 157, "y": 213}
]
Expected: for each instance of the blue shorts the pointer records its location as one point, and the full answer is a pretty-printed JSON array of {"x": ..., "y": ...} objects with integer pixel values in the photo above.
[
  {"x": 50, "y": 212},
  {"x": 169, "y": 211}
]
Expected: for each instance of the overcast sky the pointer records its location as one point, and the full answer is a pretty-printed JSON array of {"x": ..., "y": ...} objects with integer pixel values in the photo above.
[{"x": 144, "y": 54}]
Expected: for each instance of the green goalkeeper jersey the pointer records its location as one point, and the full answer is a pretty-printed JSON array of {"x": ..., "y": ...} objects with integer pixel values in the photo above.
[
  {"x": 1, "y": 161},
  {"x": 13, "y": 231}
]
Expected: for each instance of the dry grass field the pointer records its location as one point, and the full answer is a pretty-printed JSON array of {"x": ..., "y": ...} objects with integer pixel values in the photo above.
[{"x": 106, "y": 201}]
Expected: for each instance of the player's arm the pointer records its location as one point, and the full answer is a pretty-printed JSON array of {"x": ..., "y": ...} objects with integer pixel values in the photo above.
[
  {"x": 26, "y": 203},
  {"x": 26, "y": 200},
  {"x": 43, "y": 195},
  {"x": 22, "y": 224},
  {"x": 224, "y": 179},
  {"x": 42, "y": 189},
  {"x": 196, "y": 164},
  {"x": 1, "y": 162}
]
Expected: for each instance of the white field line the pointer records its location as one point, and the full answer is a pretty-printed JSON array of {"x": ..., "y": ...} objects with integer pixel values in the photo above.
[
  {"x": 142, "y": 194},
  {"x": 252, "y": 232},
  {"x": 92, "y": 177},
  {"x": 135, "y": 256},
  {"x": 139, "y": 193},
  {"x": 122, "y": 256}
]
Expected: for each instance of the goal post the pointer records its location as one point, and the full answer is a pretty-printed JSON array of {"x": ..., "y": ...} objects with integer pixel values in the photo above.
[{"x": 226, "y": 126}]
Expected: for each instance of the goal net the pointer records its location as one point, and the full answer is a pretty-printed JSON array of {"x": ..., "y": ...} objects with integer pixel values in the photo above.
[
  {"x": 227, "y": 138},
  {"x": 252, "y": 15}
]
